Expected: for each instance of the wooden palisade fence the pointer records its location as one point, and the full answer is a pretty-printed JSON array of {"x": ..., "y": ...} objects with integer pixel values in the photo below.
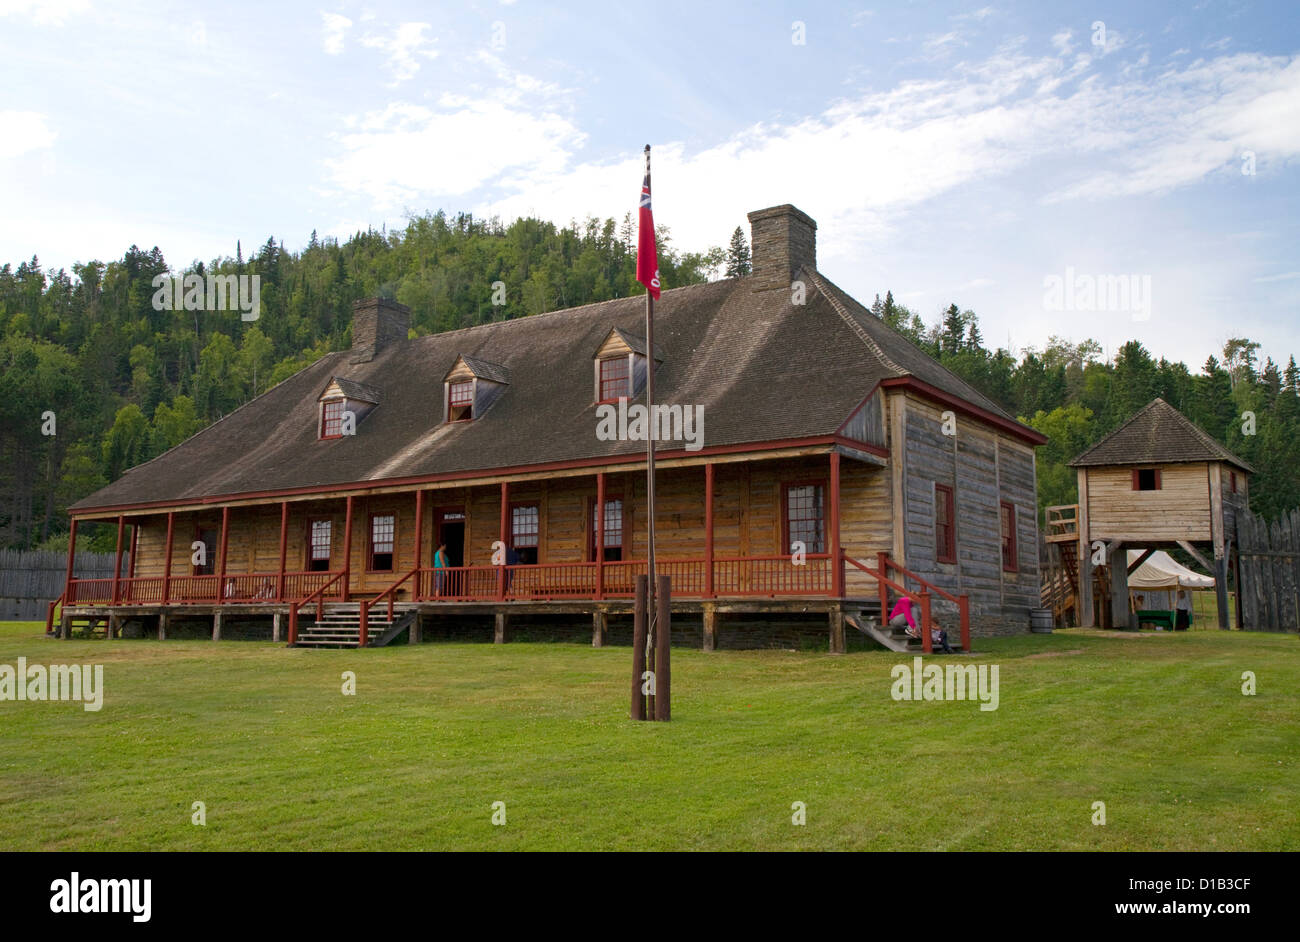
[
  {"x": 31, "y": 579},
  {"x": 1269, "y": 573}
]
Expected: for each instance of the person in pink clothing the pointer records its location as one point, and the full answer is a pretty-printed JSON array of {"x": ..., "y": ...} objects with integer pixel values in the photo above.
[{"x": 907, "y": 612}]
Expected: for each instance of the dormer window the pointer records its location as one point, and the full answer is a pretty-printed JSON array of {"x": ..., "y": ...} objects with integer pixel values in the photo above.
[
  {"x": 331, "y": 418},
  {"x": 343, "y": 404},
  {"x": 615, "y": 378},
  {"x": 471, "y": 386},
  {"x": 460, "y": 401},
  {"x": 620, "y": 363}
]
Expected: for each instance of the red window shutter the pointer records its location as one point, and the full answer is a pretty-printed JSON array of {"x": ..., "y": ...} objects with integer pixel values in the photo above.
[
  {"x": 1157, "y": 479},
  {"x": 1135, "y": 479}
]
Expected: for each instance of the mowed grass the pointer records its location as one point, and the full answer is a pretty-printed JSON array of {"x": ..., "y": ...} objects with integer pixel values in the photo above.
[{"x": 1154, "y": 725}]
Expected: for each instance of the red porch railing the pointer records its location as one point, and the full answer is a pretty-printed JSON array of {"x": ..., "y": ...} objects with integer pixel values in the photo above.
[
  {"x": 246, "y": 588},
  {"x": 317, "y": 597}
]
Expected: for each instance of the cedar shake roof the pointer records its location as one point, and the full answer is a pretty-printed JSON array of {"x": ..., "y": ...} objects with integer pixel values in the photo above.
[
  {"x": 492, "y": 372},
  {"x": 1157, "y": 434},
  {"x": 763, "y": 368},
  {"x": 358, "y": 391}
]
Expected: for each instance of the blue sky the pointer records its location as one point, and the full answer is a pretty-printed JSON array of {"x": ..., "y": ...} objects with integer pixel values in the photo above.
[{"x": 949, "y": 152}]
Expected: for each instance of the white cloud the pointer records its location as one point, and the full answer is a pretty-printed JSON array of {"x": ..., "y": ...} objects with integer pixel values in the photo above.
[
  {"x": 335, "y": 28},
  {"x": 877, "y": 156},
  {"x": 404, "y": 49},
  {"x": 1283, "y": 276},
  {"x": 23, "y": 131},
  {"x": 44, "y": 12}
]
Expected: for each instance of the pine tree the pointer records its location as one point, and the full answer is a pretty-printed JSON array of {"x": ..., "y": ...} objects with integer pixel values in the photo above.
[{"x": 738, "y": 262}]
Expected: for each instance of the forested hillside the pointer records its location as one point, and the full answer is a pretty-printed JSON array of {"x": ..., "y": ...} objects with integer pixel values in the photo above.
[{"x": 85, "y": 355}]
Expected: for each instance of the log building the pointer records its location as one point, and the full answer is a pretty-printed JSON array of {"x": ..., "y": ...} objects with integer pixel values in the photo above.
[
  {"x": 834, "y": 463},
  {"x": 1155, "y": 483}
]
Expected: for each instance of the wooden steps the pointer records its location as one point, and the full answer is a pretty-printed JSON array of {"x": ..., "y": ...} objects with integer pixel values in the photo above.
[
  {"x": 340, "y": 627},
  {"x": 895, "y": 639}
]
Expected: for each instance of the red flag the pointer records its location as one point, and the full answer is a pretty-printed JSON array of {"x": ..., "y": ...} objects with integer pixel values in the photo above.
[{"x": 647, "y": 254}]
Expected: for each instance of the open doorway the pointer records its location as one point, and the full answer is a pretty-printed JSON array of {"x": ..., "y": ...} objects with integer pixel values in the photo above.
[{"x": 449, "y": 528}]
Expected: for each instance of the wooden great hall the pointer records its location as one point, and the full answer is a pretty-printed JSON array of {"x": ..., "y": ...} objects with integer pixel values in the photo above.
[{"x": 826, "y": 476}]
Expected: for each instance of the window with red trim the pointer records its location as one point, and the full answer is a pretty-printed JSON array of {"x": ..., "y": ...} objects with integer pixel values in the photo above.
[
  {"x": 331, "y": 418},
  {"x": 613, "y": 531},
  {"x": 460, "y": 401},
  {"x": 614, "y": 379},
  {"x": 805, "y": 517},
  {"x": 1146, "y": 479},
  {"x": 1010, "y": 561},
  {"x": 318, "y": 555},
  {"x": 524, "y": 529},
  {"x": 382, "y": 529},
  {"x": 945, "y": 529}
]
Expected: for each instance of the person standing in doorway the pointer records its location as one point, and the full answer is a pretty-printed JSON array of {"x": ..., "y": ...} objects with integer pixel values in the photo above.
[{"x": 439, "y": 567}]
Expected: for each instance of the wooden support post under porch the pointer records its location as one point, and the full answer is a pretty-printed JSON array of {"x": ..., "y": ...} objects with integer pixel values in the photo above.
[
  {"x": 710, "y": 615},
  {"x": 502, "y": 620},
  {"x": 599, "y": 628},
  {"x": 835, "y": 616}
]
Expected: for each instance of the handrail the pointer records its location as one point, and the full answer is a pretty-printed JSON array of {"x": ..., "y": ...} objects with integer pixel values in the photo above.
[
  {"x": 907, "y": 573},
  {"x": 319, "y": 596},
  {"x": 49, "y": 614},
  {"x": 923, "y": 597},
  {"x": 364, "y": 606}
]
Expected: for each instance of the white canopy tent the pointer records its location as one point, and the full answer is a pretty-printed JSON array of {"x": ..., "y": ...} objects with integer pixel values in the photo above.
[
  {"x": 1162, "y": 571},
  {"x": 1153, "y": 584}
]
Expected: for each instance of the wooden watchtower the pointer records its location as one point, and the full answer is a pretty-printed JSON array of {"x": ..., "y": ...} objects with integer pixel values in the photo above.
[{"x": 1156, "y": 482}]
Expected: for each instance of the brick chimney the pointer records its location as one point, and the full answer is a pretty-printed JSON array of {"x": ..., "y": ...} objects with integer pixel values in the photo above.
[
  {"x": 376, "y": 324},
  {"x": 781, "y": 240}
]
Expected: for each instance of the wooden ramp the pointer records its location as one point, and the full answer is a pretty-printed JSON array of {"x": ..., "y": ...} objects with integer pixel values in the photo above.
[{"x": 895, "y": 639}]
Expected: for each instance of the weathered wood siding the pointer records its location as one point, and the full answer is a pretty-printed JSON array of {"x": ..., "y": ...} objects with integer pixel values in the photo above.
[
  {"x": 1179, "y": 510},
  {"x": 868, "y": 423},
  {"x": 748, "y": 520},
  {"x": 984, "y": 467}
]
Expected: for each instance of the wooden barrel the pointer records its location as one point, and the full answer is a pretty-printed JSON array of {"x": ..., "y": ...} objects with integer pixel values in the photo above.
[{"x": 1040, "y": 620}]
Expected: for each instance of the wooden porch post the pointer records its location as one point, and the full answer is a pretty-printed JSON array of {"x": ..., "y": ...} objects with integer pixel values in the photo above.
[
  {"x": 284, "y": 545},
  {"x": 501, "y": 572},
  {"x": 135, "y": 542},
  {"x": 418, "y": 555},
  {"x": 837, "y": 564},
  {"x": 599, "y": 524},
  {"x": 347, "y": 550},
  {"x": 167, "y": 562},
  {"x": 708, "y": 541},
  {"x": 117, "y": 563},
  {"x": 221, "y": 558},
  {"x": 72, "y": 560}
]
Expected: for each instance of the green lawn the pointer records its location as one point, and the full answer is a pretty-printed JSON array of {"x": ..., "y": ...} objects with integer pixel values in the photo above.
[{"x": 1155, "y": 725}]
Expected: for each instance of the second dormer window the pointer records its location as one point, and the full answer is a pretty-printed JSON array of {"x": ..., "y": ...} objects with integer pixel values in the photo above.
[
  {"x": 614, "y": 379},
  {"x": 460, "y": 401},
  {"x": 331, "y": 418}
]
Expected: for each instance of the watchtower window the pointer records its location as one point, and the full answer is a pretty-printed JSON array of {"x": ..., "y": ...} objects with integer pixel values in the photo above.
[
  {"x": 614, "y": 376},
  {"x": 460, "y": 401},
  {"x": 1146, "y": 479}
]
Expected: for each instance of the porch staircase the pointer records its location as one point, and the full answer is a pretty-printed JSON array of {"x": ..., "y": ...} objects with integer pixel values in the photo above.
[
  {"x": 340, "y": 627},
  {"x": 868, "y": 622}
]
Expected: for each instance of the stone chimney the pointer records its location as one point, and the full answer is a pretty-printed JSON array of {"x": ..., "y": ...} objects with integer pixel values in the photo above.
[
  {"x": 376, "y": 324},
  {"x": 781, "y": 240}
]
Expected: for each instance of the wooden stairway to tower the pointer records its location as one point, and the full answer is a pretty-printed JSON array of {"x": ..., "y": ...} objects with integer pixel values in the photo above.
[{"x": 1060, "y": 567}]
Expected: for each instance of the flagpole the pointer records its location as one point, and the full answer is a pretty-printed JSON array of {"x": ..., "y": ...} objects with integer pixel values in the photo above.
[{"x": 650, "y": 457}]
